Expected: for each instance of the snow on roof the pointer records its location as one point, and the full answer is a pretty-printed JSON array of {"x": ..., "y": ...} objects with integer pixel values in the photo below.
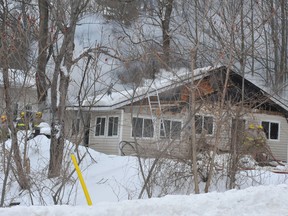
[
  {"x": 280, "y": 98},
  {"x": 165, "y": 79}
]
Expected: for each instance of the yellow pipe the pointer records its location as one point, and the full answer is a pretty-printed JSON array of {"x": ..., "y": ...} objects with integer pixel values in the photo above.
[{"x": 88, "y": 199}]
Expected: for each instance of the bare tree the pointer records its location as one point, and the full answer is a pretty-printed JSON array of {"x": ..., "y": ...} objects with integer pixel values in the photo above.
[
  {"x": 66, "y": 21},
  {"x": 43, "y": 47},
  {"x": 6, "y": 39}
]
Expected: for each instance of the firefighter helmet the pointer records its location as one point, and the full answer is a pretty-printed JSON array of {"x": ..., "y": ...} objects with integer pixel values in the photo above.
[
  {"x": 3, "y": 118},
  {"x": 22, "y": 114},
  {"x": 38, "y": 114}
]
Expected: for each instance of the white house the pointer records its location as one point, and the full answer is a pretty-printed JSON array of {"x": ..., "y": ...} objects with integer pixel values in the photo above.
[{"x": 155, "y": 118}]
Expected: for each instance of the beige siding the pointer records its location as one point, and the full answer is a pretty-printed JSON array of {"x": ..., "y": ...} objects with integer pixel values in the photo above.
[
  {"x": 70, "y": 134},
  {"x": 21, "y": 96},
  {"x": 151, "y": 145},
  {"x": 110, "y": 145},
  {"x": 278, "y": 147},
  {"x": 105, "y": 144}
]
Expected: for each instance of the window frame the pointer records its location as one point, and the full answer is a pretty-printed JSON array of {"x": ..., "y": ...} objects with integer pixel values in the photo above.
[
  {"x": 203, "y": 124},
  {"x": 169, "y": 135},
  {"x": 108, "y": 126},
  {"x": 104, "y": 128},
  {"x": 269, "y": 132},
  {"x": 143, "y": 128}
]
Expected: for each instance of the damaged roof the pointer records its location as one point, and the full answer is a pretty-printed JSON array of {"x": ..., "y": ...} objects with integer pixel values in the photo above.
[{"x": 167, "y": 80}]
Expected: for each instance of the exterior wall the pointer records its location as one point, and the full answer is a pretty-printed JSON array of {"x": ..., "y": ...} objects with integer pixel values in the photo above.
[
  {"x": 155, "y": 144},
  {"x": 22, "y": 96},
  {"x": 75, "y": 130},
  {"x": 110, "y": 145},
  {"x": 278, "y": 147},
  {"x": 105, "y": 144}
]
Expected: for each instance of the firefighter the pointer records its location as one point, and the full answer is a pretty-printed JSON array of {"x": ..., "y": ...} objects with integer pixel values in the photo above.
[
  {"x": 263, "y": 149},
  {"x": 250, "y": 137},
  {"x": 36, "y": 121},
  {"x": 261, "y": 136},
  {"x": 4, "y": 129},
  {"x": 22, "y": 123}
]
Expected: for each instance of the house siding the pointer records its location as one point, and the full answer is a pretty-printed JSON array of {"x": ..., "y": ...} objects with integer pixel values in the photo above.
[
  {"x": 152, "y": 145},
  {"x": 278, "y": 147},
  {"x": 21, "y": 96},
  {"x": 105, "y": 144},
  {"x": 181, "y": 148},
  {"x": 76, "y": 137}
]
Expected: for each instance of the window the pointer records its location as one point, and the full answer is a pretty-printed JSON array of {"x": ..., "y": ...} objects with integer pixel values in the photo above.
[
  {"x": 100, "y": 126},
  {"x": 204, "y": 122},
  {"x": 112, "y": 126},
  {"x": 271, "y": 130},
  {"x": 170, "y": 129},
  {"x": 142, "y": 127}
]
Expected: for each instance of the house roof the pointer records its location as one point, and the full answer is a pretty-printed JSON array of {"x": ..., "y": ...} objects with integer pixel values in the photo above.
[
  {"x": 278, "y": 98},
  {"x": 164, "y": 80}
]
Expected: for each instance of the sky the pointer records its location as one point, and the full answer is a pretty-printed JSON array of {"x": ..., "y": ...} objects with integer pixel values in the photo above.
[{"x": 113, "y": 184}]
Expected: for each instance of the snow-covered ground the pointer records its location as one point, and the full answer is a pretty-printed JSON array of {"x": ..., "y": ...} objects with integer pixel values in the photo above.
[
  {"x": 114, "y": 184},
  {"x": 262, "y": 200}
]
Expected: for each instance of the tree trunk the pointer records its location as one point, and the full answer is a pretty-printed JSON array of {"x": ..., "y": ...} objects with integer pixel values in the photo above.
[
  {"x": 193, "y": 129},
  {"x": 252, "y": 34},
  {"x": 166, "y": 17},
  {"x": 42, "y": 53},
  {"x": 64, "y": 57},
  {"x": 219, "y": 124},
  {"x": 275, "y": 41},
  {"x": 21, "y": 177},
  {"x": 58, "y": 130},
  {"x": 283, "y": 50}
]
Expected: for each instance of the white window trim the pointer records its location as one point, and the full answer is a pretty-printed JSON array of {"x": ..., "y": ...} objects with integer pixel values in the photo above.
[
  {"x": 106, "y": 127},
  {"x": 144, "y": 138},
  {"x": 214, "y": 125},
  {"x": 171, "y": 120},
  {"x": 96, "y": 126},
  {"x": 279, "y": 128},
  {"x": 118, "y": 126}
]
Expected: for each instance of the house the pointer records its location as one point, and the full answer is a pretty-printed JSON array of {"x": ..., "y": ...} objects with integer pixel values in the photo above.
[
  {"x": 23, "y": 92},
  {"x": 155, "y": 118}
]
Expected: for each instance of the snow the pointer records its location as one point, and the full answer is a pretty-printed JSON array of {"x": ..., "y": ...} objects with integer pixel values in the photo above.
[
  {"x": 261, "y": 200},
  {"x": 114, "y": 182}
]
